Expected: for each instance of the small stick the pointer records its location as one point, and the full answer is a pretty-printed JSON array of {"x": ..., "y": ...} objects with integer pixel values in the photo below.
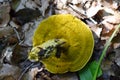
[{"x": 20, "y": 77}]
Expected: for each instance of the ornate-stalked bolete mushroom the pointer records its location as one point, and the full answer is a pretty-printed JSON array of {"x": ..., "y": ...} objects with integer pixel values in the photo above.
[{"x": 62, "y": 43}]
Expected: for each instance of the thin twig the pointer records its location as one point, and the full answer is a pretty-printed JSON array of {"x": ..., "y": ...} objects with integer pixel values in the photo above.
[
  {"x": 18, "y": 36},
  {"x": 20, "y": 77}
]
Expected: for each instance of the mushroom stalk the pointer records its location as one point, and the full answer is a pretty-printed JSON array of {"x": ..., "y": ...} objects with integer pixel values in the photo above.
[{"x": 46, "y": 49}]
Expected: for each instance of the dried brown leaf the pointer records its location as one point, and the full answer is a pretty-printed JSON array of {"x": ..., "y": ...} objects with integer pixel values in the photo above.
[
  {"x": 115, "y": 19},
  {"x": 6, "y": 31},
  {"x": 4, "y": 14},
  {"x": 9, "y": 70},
  {"x": 92, "y": 11},
  {"x": 117, "y": 57}
]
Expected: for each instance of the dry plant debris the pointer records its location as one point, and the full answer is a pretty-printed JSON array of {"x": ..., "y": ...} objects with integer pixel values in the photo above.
[{"x": 102, "y": 16}]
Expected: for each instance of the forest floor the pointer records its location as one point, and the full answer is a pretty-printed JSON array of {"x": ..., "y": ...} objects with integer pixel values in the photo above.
[{"x": 16, "y": 31}]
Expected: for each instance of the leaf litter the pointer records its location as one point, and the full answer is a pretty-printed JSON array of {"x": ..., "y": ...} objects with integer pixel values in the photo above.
[{"x": 16, "y": 31}]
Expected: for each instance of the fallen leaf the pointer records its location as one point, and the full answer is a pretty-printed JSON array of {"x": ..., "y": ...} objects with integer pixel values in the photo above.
[
  {"x": 111, "y": 19},
  {"x": 9, "y": 70},
  {"x": 23, "y": 16},
  {"x": 92, "y": 11},
  {"x": 4, "y": 14},
  {"x": 117, "y": 56},
  {"x": 44, "y": 6},
  {"x": 96, "y": 29},
  {"x": 6, "y": 31}
]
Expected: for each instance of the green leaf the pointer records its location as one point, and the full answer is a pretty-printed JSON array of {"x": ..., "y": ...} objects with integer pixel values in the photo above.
[{"x": 87, "y": 73}]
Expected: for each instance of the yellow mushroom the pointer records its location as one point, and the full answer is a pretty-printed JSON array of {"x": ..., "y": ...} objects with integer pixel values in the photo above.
[{"x": 62, "y": 43}]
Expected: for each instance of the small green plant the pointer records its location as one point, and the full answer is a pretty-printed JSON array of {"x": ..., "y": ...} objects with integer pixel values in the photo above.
[{"x": 104, "y": 51}]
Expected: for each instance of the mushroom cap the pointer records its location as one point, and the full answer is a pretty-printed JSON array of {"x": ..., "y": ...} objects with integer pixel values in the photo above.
[{"x": 79, "y": 40}]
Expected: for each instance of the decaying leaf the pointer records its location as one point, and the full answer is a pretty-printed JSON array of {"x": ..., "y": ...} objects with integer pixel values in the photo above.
[
  {"x": 6, "y": 31},
  {"x": 4, "y": 14},
  {"x": 96, "y": 29},
  {"x": 117, "y": 57},
  {"x": 44, "y": 6},
  {"x": 116, "y": 41},
  {"x": 92, "y": 11},
  {"x": 41, "y": 74},
  {"x": 110, "y": 23},
  {"x": 9, "y": 70},
  {"x": 19, "y": 55},
  {"x": 26, "y": 15}
]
